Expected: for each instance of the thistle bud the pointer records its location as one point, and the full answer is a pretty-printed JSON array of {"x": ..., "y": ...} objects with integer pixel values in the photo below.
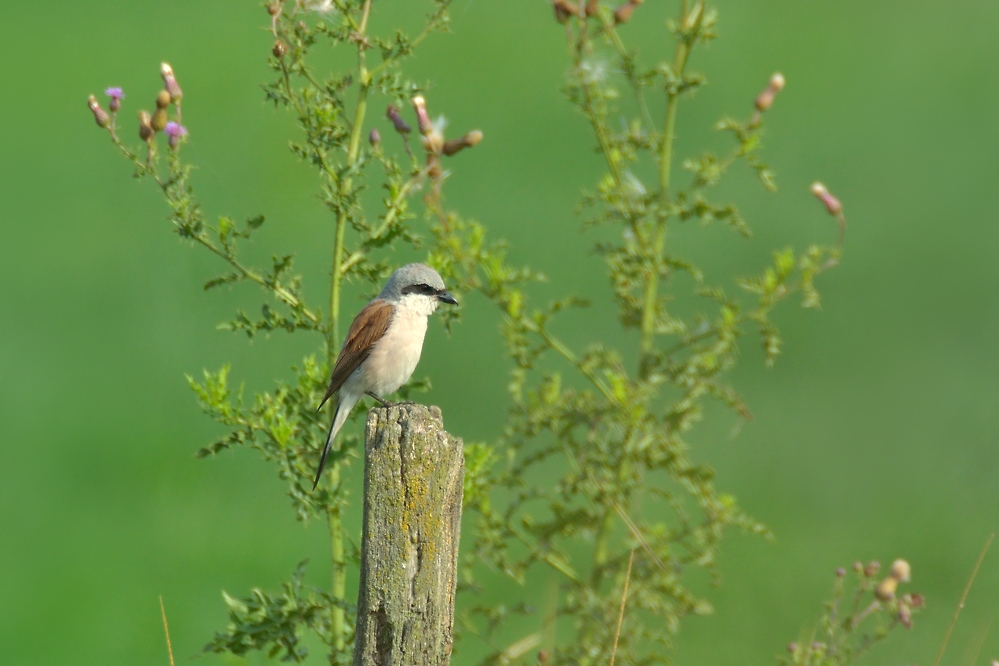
[
  {"x": 900, "y": 571},
  {"x": 563, "y": 10},
  {"x": 175, "y": 132},
  {"x": 280, "y": 48},
  {"x": 872, "y": 568},
  {"x": 592, "y": 7},
  {"x": 397, "y": 122},
  {"x": 831, "y": 203},
  {"x": 116, "y": 96},
  {"x": 857, "y": 566},
  {"x": 766, "y": 98},
  {"x": 623, "y": 13},
  {"x": 905, "y": 616},
  {"x": 544, "y": 658},
  {"x": 274, "y": 8},
  {"x": 101, "y": 116},
  {"x": 885, "y": 591},
  {"x": 841, "y": 573},
  {"x": 146, "y": 131},
  {"x": 792, "y": 648},
  {"x": 423, "y": 119},
  {"x": 163, "y": 100},
  {"x": 159, "y": 120},
  {"x": 170, "y": 83},
  {"x": 374, "y": 138},
  {"x": 470, "y": 139}
]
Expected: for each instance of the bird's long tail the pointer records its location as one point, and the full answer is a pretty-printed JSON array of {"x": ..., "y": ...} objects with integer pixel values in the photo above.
[{"x": 343, "y": 408}]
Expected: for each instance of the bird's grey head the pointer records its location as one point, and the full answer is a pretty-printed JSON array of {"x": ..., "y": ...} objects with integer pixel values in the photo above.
[{"x": 417, "y": 286}]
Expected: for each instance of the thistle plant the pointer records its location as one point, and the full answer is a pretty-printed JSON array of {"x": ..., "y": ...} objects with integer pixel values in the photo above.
[
  {"x": 592, "y": 484},
  {"x": 856, "y": 620},
  {"x": 626, "y": 516},
  {"x": 333, "y": 114}
]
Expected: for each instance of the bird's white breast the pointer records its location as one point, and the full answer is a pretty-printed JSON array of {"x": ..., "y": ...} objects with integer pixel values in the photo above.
[{"x": 394, "y": 358}]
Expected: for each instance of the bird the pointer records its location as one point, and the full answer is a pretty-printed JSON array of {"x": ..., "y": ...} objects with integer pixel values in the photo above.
[{"x": 383, "y": 344}]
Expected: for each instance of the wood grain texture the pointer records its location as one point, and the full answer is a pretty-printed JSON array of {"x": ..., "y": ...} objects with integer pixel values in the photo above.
[{"x": 413, "y": 481}]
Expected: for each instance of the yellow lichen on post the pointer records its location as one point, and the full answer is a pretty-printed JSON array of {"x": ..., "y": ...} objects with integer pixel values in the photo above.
[{"x": 413, "y": 480}]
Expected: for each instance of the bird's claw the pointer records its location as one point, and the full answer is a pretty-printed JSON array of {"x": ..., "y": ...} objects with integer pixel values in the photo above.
[{"x": 386, "y": 403}]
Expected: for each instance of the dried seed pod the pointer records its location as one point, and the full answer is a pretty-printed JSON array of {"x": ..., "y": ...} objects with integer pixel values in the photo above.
[
  {"x": 470, "y": 139},
  {"x": 374, "y": 138},
  {"x": 280, "y": 48},
  {"x": 101, "y": 116},
  {"x": 623, "y": 13},
  {"x": 159, "y": 120},
  {"x": 885, "y": 591},
  {"x": 146, "y": 131},
  {"x": 900, "y": 571},
  {"x": 564, "y": 9}
]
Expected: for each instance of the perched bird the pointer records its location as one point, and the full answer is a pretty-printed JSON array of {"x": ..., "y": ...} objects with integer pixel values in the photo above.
[{"x": 384, "y": 343}]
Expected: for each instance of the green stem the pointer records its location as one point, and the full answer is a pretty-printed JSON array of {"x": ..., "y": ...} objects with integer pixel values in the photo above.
[
  {"x": 339, "y": 568},
  {"x": 602, "y": 546},
  {"x": 650, "y": 297},
  {"x": 337, "y": 618},
  {"x": 568, "y": 355}
]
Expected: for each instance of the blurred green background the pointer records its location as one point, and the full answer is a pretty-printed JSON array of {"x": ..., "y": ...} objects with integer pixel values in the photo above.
[{"x": 875, "y": 436}]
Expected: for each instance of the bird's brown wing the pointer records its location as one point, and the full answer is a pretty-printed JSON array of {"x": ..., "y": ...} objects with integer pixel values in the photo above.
[{"x": 367, "y": 328}]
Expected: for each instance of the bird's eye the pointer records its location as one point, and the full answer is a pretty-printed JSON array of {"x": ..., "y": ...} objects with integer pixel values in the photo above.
[{"x": 423, "y": 289}]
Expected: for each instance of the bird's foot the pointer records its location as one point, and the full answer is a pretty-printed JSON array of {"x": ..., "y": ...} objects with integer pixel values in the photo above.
[{"x": 386, "y": 403}]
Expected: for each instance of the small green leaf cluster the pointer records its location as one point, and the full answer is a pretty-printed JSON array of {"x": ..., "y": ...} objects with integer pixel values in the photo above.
[{"x": 274, "y": 623}]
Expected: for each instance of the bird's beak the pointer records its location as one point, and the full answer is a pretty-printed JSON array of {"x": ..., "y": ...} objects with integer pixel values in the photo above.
[{"x": 446, "y": 297}]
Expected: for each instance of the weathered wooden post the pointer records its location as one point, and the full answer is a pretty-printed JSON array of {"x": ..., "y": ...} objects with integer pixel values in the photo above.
[{"x": 413, "y": 479}]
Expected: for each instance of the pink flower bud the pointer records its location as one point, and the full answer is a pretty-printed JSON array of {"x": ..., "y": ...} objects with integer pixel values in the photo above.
[
  {"x": 170, "y": 83},
  {"x": 766, "y": 98},
  {"x": 398, "y": 123},
  {"x": 834, "y": 207},
  {"x": 116, "y": 96},
  {"x": 175, "y": 133},
  {"x": 423, "y": 120}
]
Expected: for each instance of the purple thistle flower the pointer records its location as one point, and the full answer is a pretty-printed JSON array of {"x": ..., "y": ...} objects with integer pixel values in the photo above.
[
  {"x": 116, "y": 96},
  {"x": 174, "y": 132}
]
